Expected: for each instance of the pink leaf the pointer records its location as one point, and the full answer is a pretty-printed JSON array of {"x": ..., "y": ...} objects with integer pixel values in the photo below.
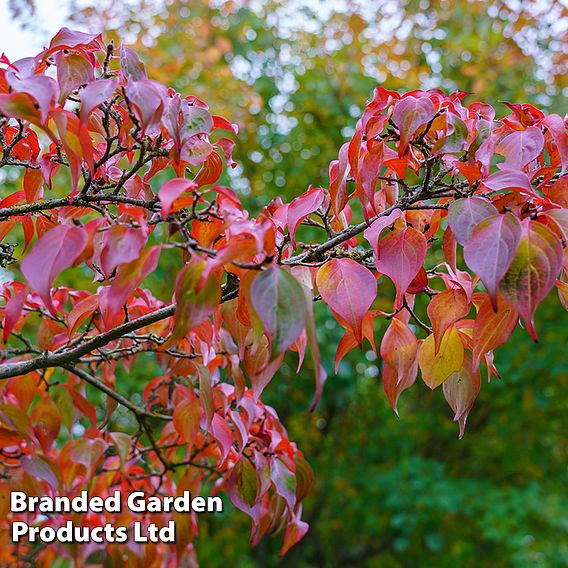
[
  {"x": 465, "y": 214},
  {"x": 491, "y": 248},
  {"x": 409, "y": 115},
  {"x": 171, "y": 190},
  {"x": 301, "y": 207},
  {"x": 510, "y": 180},
  {"x": 348, "y": 289},
  {"x": 400, "y": 256},
  {"x": 520, "y": 148},
  {"x": 373, "y": 233},
  {"x": 55, "y": 251},
  {"x": 94, "y": 94}
]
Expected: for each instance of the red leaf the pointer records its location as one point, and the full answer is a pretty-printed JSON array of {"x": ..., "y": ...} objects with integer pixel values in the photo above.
[
  {"x": 338, "y": 170},
  {"x": 399, "y": 347},
  {"x": 445, "y": 309},
  {"x": 349, "y": 289},
  {"x": 171, "y": 190},
  {"x": 373, "y": 232},
  {"x": 492, "y": 327},
  {"x": 400, "y": 256},
  {"x": 55, "y": 251},
  {"x": 301, "y": 207},
  {"x": 510, "y": 180}
]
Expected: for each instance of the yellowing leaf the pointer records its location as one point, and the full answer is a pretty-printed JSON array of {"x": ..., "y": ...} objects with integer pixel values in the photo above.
[{"x": 437, "y": 367}]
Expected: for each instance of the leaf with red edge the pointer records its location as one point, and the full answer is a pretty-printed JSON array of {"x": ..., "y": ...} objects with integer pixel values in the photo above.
[
  {"x": 399, "y": 347},
  {"x": 81, "y": 312},
  {"x": 186, "y": 418},
  {"x": 76, "y": 142},
  {"x": 171, "y": 190},
  {"x": 437, "y": 367},
  {"x": 55, "y": 251},
  {"x": 284, "y": 481},
  {"x": 295, "y": 531},
  {"x": 460, "y": 391},
  {"x": 409, "y": 115},
  {"x": 301, "y": 207},
  {"x": 401, "y": 256},
  {"x": 222, "y": 123},
  {"x": 557, "y": 129},
  {"x": 445, "y": 309},
  {"x": 12, "y": 312},
  {"x": 338, "y": 170},
  {"x": 194, "y": 303},
  {"x": 533, "y": 271},
  {"x": 278, "y": 300},
  {"x": 196, "y": 120},
  {"x": 244, "y": 486},
  {"x": 520, "y": 148},
  {"x": 70, "y": 39},
  {"x": 491, "y": 248},
  {"x": 40, "y": 468},
  {"x": 465, "y": 214},
  {"x": 73, "y": 71},
  {"x": 21, "y": 106},
  {"x": 492, "y": 327},
  {"x": 348, "y": 289},
  {"x": 394, "y": 385}
]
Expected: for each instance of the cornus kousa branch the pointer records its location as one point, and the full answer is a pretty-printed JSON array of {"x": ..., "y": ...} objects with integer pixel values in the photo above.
[{"x": 461, "y": 219}]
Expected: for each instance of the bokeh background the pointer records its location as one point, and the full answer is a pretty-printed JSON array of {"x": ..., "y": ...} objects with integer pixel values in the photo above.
[{"x": 294, "y": 74}]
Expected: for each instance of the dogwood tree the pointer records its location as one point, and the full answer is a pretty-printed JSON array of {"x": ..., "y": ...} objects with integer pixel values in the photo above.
[{"x": 463, "y": 216}]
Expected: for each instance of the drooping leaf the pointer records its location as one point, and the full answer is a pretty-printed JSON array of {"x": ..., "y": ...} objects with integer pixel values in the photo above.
[
  {"x": 55, "y": 251},
  {"x": 348, "y": 289},
  {"x": 394, "y": 385},
  {"x": 399, "y": 347},
  {"x": 437, "y": 367},
  {"x": 460, "y": 391},
  {"x": 533, "y": 271},
  {"x": 194, "y": 302},
  {"x": 445, "y": 309},
  {"x": 278, "y": 300},
  {"x": 401, "y": 256},
  {"x": 492, "y": 326},
  {"x": 491, "y": 248}
]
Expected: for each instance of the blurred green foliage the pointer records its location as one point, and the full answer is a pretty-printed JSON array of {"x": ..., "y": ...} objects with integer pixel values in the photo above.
[{"x": 389, "y": 492}]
